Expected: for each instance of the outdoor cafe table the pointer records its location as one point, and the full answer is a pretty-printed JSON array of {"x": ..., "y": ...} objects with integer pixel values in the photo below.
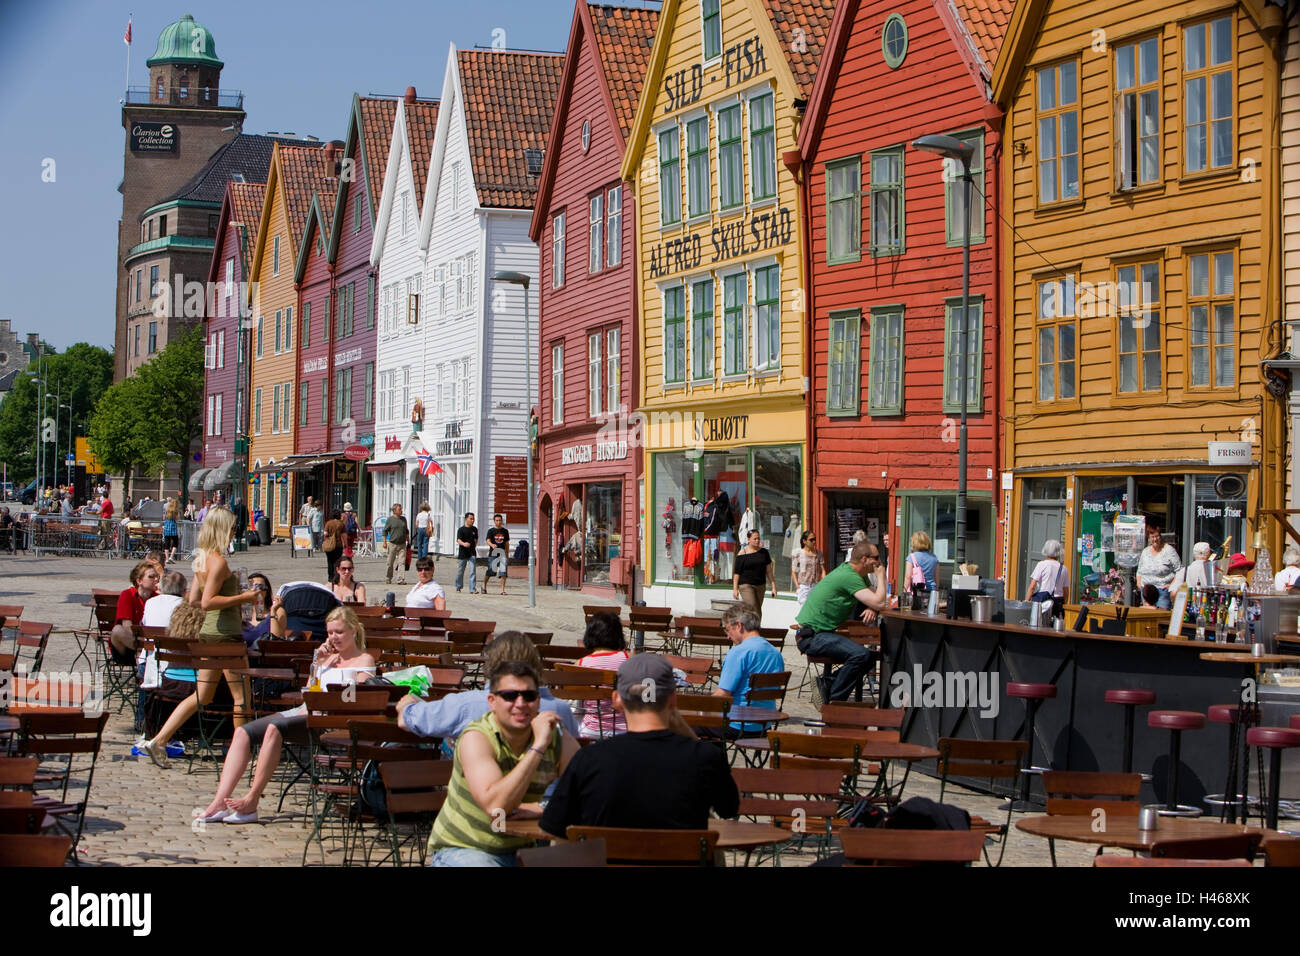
[
  {"x": 732, "y": 834},
  {"x": 1123, "y": 832},
  {"x": 756, "y": 715}
]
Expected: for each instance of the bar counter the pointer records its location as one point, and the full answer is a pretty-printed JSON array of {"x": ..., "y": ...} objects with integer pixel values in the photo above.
[{"x": 1077, "y": 728}]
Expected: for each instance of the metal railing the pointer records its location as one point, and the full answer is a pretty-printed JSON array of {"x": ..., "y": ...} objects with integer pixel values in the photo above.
[
  {"x": 90, "y": 536},
  {"x": 183, "y": 96}
]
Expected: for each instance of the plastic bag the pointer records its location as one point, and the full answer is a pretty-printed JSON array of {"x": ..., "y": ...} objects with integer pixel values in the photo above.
[{"x": 415, "y": 679}]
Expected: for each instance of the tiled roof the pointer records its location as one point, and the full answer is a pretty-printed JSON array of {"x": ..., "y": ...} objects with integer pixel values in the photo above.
[
  {"x": 987, "y": 22},
  {"x": 509, "y": 100},
  {"x": 246, "y": 203},
  {"x": 421, "y": 122},
  {"x": 625, "y": 37},
  {"x": 246, "y": 155},
  {"x": 377, "y": 117},
  {"x": 802, "y": 27},
  {"x": 303, "y": 172}
]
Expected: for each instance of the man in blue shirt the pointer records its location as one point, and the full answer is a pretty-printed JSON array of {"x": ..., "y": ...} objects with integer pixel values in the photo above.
[{"x": 751, "y": 654}]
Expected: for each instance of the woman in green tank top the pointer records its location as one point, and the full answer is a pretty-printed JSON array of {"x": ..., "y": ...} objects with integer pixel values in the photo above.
[{"x": 216, "y": 591}]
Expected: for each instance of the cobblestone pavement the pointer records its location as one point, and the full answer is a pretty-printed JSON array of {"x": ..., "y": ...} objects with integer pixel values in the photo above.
[{"x": 143, "y": 816}]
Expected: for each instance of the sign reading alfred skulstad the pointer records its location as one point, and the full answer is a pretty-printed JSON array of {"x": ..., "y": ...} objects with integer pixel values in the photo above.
[{"x": 154, "y": 138}]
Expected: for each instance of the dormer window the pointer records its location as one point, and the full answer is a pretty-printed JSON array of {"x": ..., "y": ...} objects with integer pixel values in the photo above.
[{"x": 533, "y": 157}]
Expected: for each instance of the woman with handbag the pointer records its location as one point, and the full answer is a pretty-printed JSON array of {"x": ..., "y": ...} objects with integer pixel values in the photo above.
[
  {"x": 1049, "y": 578},
  {"x": 332, "y": 544},
  {"x": 922, "y": 566}
]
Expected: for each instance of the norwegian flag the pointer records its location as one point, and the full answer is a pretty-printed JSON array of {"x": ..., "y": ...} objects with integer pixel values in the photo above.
[
  {"x": 427, "y": 465},
  {"x": 126, "y": 37}
]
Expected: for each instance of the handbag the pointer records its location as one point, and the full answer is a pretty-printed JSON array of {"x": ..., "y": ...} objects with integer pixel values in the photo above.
[{"x": 330, "y": 543}]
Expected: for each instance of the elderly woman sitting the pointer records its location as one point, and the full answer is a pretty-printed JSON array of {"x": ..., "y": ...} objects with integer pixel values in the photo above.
[
  {"x": 1202, "y": 573},
  {"x": 1290, "y": 573}
]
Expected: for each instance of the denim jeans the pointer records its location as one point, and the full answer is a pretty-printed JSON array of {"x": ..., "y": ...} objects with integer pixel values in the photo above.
[
  {"x": 1164, "y": 602},
  {"x": 421, "y": 542},
  {"x": 854, "y": 660},
  {"x": 460, "y": 573},
  {"x": 462, "y": 856}
]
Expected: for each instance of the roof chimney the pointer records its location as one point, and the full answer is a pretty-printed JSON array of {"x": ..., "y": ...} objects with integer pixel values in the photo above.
[
  {"x": 329, "y": 155},
  {"x": 410, "y": 94}
]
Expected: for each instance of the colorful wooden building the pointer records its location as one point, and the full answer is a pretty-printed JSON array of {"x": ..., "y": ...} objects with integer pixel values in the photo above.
[
  {"x": 1141, "y": 277},
  {"x": 720, "y": 262},
  {"x": 584, "y": 227},
  {"x": 885, "y": 289}
]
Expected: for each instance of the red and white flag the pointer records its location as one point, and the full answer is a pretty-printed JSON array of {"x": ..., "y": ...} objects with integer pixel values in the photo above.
[{"x": 126, "y": 37}]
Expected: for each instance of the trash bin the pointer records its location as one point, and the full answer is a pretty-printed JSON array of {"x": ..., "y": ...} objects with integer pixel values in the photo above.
[{"x": 264, "y": 529}]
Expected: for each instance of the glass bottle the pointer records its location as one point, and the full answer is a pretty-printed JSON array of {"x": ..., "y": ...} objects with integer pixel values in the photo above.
[{"x": 1201, "y": 620}]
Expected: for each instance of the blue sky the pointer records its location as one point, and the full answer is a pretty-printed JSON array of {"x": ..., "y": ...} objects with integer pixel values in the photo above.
[{"x": 62, "y": 69}]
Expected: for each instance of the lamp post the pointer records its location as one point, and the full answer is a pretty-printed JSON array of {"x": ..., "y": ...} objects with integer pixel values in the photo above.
[
  {"x": 70, "y": 440},
  {"x": 54, "y": 471},
  {"x": 518, "y": 278},
  {"x": 952, "y": 148}
]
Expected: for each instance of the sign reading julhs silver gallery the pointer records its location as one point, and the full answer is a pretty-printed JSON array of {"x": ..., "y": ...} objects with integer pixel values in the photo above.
[{"x": 601, "y": 451}]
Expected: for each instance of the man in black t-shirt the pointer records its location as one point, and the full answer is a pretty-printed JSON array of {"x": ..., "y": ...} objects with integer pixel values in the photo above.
[
  {"x": 466, "y": 550},
  {"x": 656, "y": 776},
  {"x": 498, "y": 539}
]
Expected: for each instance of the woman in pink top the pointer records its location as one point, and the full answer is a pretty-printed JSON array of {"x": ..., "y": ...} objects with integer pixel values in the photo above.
[{"x": 606, "y": 649}]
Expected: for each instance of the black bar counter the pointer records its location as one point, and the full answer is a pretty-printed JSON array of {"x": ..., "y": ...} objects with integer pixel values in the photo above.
[{"x": 1077, "y": 728}]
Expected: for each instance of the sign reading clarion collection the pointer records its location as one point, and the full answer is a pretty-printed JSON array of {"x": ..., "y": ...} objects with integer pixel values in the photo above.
[
  {"x": 753, "y": 233},
  {"x": 511, "y": 486},
  {"x": 154, "y": 138}
]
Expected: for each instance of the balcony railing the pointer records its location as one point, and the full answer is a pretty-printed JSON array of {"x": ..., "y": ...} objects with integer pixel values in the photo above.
[{"x": 203, "y": 97}]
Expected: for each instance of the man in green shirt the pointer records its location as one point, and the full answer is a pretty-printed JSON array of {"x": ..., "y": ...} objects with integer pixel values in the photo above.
[
  {"x": 829, "y": 605},
  {"x": 397, "y": 534}
]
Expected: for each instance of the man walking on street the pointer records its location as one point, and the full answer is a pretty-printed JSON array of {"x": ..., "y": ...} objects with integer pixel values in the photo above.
[
  {"x": 396, "y": 534},
  {"x": 466, "y": 551},
  {"x": 498, "y": 539}
]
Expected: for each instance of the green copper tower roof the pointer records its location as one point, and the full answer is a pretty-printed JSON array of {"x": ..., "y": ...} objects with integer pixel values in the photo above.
[{"x": 186, "y": 42}]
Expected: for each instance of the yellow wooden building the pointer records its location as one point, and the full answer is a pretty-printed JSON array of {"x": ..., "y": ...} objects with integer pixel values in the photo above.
[
  {"x": 720, "y": 277},
  {"x": 1142, "y": 276}
]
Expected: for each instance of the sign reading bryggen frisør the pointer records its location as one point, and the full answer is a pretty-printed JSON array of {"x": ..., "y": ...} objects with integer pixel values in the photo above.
[{"x": 155, "y": 138}]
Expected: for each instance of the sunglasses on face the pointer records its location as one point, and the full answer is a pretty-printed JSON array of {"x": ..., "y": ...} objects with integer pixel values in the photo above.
[
  {"x": 345, "y": 567},
  {"x": 510, "y": 696}
]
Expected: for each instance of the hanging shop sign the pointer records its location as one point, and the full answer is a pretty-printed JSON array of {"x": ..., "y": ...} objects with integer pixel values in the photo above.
[
  {"x": 1230, "y": 453},
  {"x": 356, "y": 453},
  {"x": 345, "y": 472}
]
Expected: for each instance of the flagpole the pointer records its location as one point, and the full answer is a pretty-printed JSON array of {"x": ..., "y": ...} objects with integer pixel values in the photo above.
[{"x": 127, "y": 84}]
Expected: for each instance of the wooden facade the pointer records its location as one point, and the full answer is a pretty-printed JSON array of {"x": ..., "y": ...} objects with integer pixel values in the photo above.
[
  {"x": 885, "y": 284},
  {"x": 1140, "y": 285}
]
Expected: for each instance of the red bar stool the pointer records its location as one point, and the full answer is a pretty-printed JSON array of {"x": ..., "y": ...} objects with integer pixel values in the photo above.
[
  {"x": 1130, "y": 698},
  {"x": 1275, "y": 740},
  {"x": 1033, "y": 695},
  {"x": 1234, "y": 791},
  {"x": 1175, "y": 721}
]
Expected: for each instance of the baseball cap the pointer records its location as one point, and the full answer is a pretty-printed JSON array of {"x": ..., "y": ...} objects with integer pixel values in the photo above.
[{"x": 643, "y": 669}]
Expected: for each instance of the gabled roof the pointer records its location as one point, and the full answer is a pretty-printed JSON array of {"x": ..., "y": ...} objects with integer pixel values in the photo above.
[
  {"x": 245, "y": 156},
  {"x": 802, "y": 27},
  {"x": 376, "y": 121},
  {"x": 421, "y": 123},
  {"x": 246, "y": 203},
  {"x": 986, "y": 21},
  {"x": 619, "y": 40},
  {"x": 320, "y": 216},
  {"x": 241, "y": 215},
  {"x": 302, "y": 173},
  {"x": 509, "y": 100}
]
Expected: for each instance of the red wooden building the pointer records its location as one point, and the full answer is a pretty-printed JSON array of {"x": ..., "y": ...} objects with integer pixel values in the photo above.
[
  {"x": 885, "y": 223},
  {"x": 588, "y": 468}
]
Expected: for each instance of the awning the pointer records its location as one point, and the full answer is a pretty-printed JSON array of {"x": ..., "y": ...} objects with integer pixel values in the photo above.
[
  {"x": 219, "y": 476},
  {"x": 295, "y": 466},
  {"x": 196, "y": 479},
  {"x": 272, "y": 468},
  {"x": 379, "y": 466}
]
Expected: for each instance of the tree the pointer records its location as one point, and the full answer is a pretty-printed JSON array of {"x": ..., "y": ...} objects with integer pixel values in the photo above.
[
  {"x": 171, "y": 397},
  {"x": 116, "y": 428}
]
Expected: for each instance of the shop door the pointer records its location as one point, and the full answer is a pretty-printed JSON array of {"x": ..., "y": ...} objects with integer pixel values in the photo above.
[
  {"x": 1042, "y": 523},
  {"x": 546, "y": 540}
]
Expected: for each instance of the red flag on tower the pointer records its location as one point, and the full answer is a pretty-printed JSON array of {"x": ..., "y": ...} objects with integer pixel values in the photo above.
[{"x": 126, "y": 37}]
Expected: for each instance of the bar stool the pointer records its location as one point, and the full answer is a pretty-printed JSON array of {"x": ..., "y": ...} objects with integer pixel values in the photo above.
[
  {"x": 1234, "y": 791},
  {"x": 1130, "y": 698},
  {"x": 1175, "y": 721},
  {"x": 1033, "y": 695},
  {"x": 1275, "y": 739}
]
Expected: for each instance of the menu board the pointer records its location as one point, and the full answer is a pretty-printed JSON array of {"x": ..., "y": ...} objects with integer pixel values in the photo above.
[{"x": 511, "y": 487}]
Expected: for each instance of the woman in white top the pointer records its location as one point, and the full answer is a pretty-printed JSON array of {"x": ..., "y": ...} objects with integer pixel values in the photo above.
[
  {"x": 427, "y": 592},
  {"x": 1202, "y": 573},
  {"x": 1286, "y": 578},
  {"x": 1159, "y": 565},
  {"x": 422, "y": 521},
  {"x": 343, "y": 660},
  {"x": 1050, "y": 578}
]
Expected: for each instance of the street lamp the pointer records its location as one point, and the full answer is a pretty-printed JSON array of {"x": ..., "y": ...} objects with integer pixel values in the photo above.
[
  {"x": 69, "y": 454},
  {"x": 952, "y": 148},
  {"x": 54, "y": 472},
  {"x": 518, "y": 278}
]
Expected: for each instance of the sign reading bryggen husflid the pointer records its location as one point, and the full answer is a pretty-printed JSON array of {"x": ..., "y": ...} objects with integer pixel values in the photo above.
[{"x": 155, "y": 138}]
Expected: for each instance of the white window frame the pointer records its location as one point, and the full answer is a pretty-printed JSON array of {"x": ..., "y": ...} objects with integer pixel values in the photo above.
[
  {"x": 557, "y": 250},
  {"x": 595, "y": 232},
  {"x": 557, "y": 383}
]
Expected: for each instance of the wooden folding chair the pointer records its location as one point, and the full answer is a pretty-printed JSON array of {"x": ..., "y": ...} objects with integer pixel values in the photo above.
[
  {"x": 1116, "y": 860},
  {"x": 414, "y": 792},
  {"x": 631, "y": 847},
  {"x": 706, "y": 632},
  {"x": 539, "y": 638},
  {"x": 368, "y": 611},
  {"x": 586, "y": 685},
  {"x": 428, "y": 618},
  {"x": 880, "y": 847},
  {"x": 582, "y": 853},
  {"x": 18, "y": 819},
  {"x": 804, "y": 752},
  {"x": 1233, "y": 846},
  {"x": 990, "y": 759},
  {"x": 18, "y": 773},
  {"x": 861, "y": 716},
  {"x": 704, "y": 713},
  {"x": 35, "y": 638},
  {"x": 27, "y": 850},
  {"x": 54, "y": 736},
  {"x": 700, "y": 671},
  {"x": 378, "y": 741},
  {"x": 1082, "y": 793},
  {"x": 591, "y": 610},
  {"x": 805, "y": 802},
  {"x": 764, "y": 687},
  {"x": 652, "y": 620},
  {"x": 212, "y": 717},
  {"x": 776, "y": 636},
  {"x": 556, "y": 653}
]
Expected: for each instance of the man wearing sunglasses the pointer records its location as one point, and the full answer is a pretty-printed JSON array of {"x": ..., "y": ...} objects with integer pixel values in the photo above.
[
  {"x": 504, "y": 762},
  {"x": 830, "y": 604}
]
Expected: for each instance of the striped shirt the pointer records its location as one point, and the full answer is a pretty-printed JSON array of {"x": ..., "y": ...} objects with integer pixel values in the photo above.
[
  {"x": 462, "y": 822},
  {"x": 601, "y": 721}
]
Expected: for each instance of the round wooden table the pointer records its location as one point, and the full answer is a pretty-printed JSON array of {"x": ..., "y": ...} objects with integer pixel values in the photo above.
[
  {"x": 1124, "y": 832},
  {"x": 732, "y": 834}
]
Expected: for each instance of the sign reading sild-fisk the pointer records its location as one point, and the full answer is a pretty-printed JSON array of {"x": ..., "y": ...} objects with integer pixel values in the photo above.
[{"x": 154, "y": 138}]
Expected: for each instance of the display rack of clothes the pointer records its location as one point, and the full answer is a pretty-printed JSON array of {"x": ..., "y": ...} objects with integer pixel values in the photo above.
[{"x": 692, "y": 530}]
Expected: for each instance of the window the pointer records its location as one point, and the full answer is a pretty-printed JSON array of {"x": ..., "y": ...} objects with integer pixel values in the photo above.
[
  {"x": 239, "y": 410},
  {"x": 885, "y": 377},
  {"x": 675, "y": 334},
  {"x": 594, "y": 393},
  {"x": 1211, "y": 305},
  {"x": 843, "y": 210},
  {"x": 954, "y": 193},
  {"x": 670, "y": 179},
  {"x": 304, "y": 338},
  {"x": 325, "y": 401},
  {"x": 557, "y": 384},
  {"x": 221, "y": 349},
  {"x": 1058, "y": 132},
  {"x": 1207, "y": 95},
  {"x": 702, "y": 330},
  {"x": 230, "y": 279},
  {"x": 1137, "y": 113},
  {"x": 697, "y": 167},
  {"x": 261, "y": 322},
  {"x": 735, "y": 296},
  {"x": 613, "y": 369},
  {"x": 557, "y": 250},
  {"x": 893, "y": 41},
  {"x": 153, "y": 337},
  {"x": 210, "y": 415},
  {"x": 257, "y": 411},
  {"x": 275, "y": 410},
  {"x": 284, "y": 504},
  {"x": 386, "y": 396},
  {"x": 357, "y": 202},
  {"x": 711, "y": 28},
  {"x": 304, "y": 393},
  {"x": 596, "y": 242},
  {"x": 406, "y": 389},
  {"x": 1140, "y": 343},
  {"x": 218, "y": 416},
  {"x": 614, "y": 226},
  {"x": 343, "y": 395},
  {"x": 162, "y": 227},
  {"x": 371, "y": 303},
  {"x": 762, "y": 147},
  {"x": 275, "y": 256},
  {"x": 887, "y": 202},
  {"x": 406, "y": 212},
  {"x": 446, "y": 390},
  {"x": 731, "y": 164},
  {"x": 286, "y": 410},
  {"x": 465, "y": 389},
  {"x": 1056, "y": 340},
  {"x": 954, "y": 349},
  {"x": 326, "y": 318},
  {"x": 137, "y": 341},
  {"x": 455, "y": 187},
  {"x": 279, "y": 329},
  {"x": 767, "y": 316},
  {"x": 843, "y": 363},
  {"x": 368, "y": 396},
  {"x": 139, "y": 281},
  {"x": 153, "y": 281}
]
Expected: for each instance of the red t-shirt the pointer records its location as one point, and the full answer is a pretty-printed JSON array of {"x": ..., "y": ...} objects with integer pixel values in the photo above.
[
  {"x": 130, "y": 606},
  {"x": 106, "y": 509}
]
